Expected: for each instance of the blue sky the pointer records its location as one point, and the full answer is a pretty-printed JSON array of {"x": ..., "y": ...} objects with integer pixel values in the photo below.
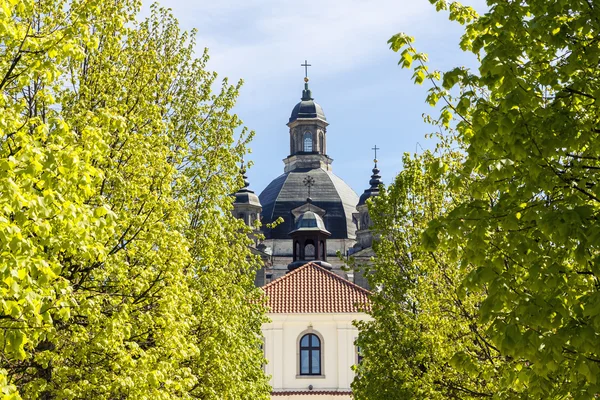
[{"x": 367, "y": 98}]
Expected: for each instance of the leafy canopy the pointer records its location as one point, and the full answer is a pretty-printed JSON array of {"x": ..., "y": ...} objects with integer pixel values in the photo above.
[
  {"x": 122, "y": 272},
  {"x": 525, "y": 233}
]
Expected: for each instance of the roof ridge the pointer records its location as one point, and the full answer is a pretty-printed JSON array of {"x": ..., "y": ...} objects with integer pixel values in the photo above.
[
  {"x": 312, "y": 288},
  {"x": 318, "y": 267},
  {"x": 287, "y": 274},
  {"x": 344, "y": 280},
  {"x": 337, "y": 193}
]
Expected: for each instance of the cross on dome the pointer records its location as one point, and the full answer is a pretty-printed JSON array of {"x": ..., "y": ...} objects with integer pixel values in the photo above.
[
  {"x": 306, "y": 65},
  {"x": 309, "y": 182},
  {"x": 375, "y": 148}
]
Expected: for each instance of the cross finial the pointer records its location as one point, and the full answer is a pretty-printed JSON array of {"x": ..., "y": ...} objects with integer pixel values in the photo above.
[
  {"x": 375, "y": 149},
  {"x": 309, "y": 181},
  {"x": 306, "y": 65}
]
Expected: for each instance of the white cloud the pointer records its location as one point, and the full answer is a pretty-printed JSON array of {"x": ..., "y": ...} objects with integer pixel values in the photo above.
[
  {"x": 257, "y": 39},
  {"x": 354, "y": 74}
]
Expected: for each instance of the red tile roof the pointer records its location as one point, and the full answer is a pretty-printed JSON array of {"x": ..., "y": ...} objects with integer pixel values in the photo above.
[
  {"x": 312, "y": 392},
  {"x": 313, "y": 289}
]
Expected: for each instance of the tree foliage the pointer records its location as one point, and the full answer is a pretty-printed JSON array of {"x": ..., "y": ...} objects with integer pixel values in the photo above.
[
  {"x": 123, "y": 273},
  {"x": 525, "y": 233},
  {"x": 425, "y": 339}
]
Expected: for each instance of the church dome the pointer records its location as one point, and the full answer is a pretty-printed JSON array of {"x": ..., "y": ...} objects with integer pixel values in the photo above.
[
  {"x": 307, "y": 109},
  {"x": 288, "y": 192}
]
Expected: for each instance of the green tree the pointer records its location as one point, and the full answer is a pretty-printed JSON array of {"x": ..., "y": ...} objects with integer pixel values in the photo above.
[
  {"x": 527, "y": 230},
  {"x": 124, "y": 275},
  {"x": 425, "y": 339}
]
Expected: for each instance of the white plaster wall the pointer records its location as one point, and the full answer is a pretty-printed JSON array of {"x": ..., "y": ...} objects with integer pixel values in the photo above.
[{"x": 338, "y": 351}]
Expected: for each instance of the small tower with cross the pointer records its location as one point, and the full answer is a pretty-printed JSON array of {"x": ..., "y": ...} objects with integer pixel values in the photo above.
[
  {"x": 246, "y": 205},
  {"x": 308, "y": 132},
  {"x": 362, "y": 219}
]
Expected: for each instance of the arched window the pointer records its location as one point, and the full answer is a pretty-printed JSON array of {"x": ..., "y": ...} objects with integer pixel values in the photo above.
[
  {"x": 310, "y": 355},
  {"x": 309, "y": 250},
  {"x": 308, "y": 142},
  {"x": 322, "y": 142}
]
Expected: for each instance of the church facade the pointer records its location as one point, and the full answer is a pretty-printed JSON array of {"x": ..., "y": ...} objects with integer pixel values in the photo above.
[
  {"x": 309, "y": 340},
  {"x": 308, "y": 216}
]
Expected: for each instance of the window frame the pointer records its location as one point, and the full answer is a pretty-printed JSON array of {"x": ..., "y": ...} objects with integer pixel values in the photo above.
[
  {"x": 310, "y": 348},
  {"x": 307, "y": 138},
  {"x": 359, "y": 356}
]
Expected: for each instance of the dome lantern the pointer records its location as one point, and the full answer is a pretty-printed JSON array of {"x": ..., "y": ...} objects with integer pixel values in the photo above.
[
  {"x": 309, "y": 240},
  {"x": 308, "y": 128}
]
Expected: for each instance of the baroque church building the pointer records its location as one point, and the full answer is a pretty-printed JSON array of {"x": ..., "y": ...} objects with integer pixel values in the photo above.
[
  {"x": 308, "y": 215},
  {"x": 309, "y": 193}
]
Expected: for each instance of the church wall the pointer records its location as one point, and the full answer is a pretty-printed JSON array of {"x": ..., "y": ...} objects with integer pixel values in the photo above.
[
  {"x": 281, "y": 344},
  {"x": 282, "y": 248}
]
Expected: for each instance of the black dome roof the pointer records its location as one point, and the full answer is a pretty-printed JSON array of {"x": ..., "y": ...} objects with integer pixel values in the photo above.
[
  {"x": 329, "y": 193},
  {"x": 307, "y": 109},
  {"x": 374, "y": 189}
]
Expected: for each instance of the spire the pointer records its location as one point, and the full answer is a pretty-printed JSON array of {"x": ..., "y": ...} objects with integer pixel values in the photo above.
[
  {"x": 244, "y": 177},
  {"x": 306, "y": 94},
  {"x": 374, "y": 183},
  {"x": 375, "y": 178},
  {"x": 245, "y": 195}
]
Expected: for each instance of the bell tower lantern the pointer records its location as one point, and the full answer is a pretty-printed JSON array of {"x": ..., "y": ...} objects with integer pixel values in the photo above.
[{"x": 308, "y": 133}]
